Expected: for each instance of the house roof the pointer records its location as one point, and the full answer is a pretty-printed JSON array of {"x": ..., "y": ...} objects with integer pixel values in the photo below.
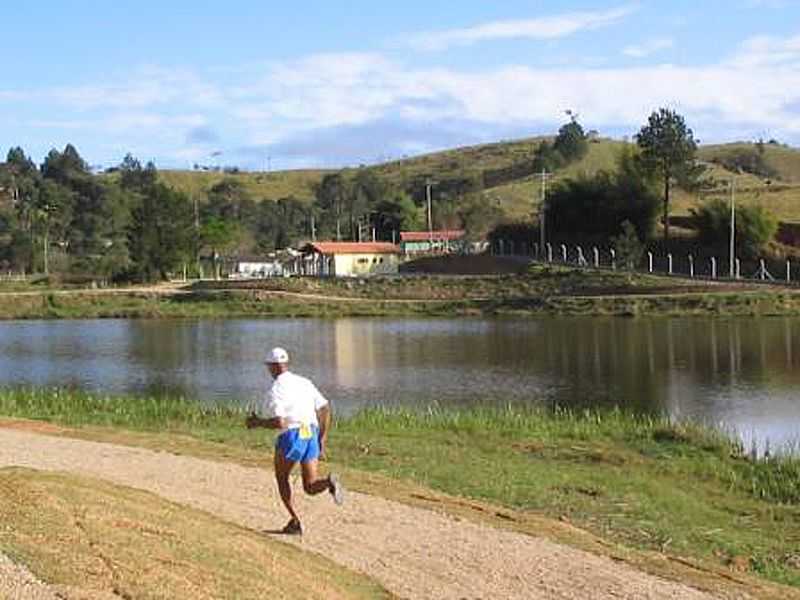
[
  {"x": 351, "y": 248},
  {"x": 424, "y": 236}
]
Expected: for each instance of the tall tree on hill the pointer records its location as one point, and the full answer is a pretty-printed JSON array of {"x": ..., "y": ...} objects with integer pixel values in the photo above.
[
  {"x": 668, "y": 151},
  {"x": 571, "y": 142}
]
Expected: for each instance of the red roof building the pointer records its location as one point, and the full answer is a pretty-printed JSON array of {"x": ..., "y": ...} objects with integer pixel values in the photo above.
[
  {"x": 349, "y": 259},
  {"x": 443, "y": 235}
]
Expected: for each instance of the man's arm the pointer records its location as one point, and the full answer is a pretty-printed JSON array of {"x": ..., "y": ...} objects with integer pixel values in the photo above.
[
  {"x": 324, "y": 418},
  {"x": 253, "y": 421}
]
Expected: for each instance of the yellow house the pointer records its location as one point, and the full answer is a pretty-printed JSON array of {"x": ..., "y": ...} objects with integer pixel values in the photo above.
[{"x": 349, "y": 259}]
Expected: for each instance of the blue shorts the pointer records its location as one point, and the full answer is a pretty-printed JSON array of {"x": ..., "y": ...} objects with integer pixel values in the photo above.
[{"x": 298, "y": 446}]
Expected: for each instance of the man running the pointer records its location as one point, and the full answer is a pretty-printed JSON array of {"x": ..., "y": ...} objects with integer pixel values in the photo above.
[{"x": 295, "y": 406}]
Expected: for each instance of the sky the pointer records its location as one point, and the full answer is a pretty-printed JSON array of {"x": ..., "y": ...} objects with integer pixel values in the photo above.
[{"x": 322, "y": 83}]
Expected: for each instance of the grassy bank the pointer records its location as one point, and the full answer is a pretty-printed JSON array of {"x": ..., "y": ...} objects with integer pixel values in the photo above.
[
  {"x": 539, "y": 291},
  {"x": 644, "y": 483}
]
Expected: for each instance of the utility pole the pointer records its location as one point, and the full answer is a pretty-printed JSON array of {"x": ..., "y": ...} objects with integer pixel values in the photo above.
[
  {"x": 197, "y": 238},
  {"x": 543, "y": 210},
  {"x": 733, "y": 228},
  {"x": 428, "y": 185}
]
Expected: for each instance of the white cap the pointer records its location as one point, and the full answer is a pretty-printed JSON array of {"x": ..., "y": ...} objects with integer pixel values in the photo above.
[{"x": 277, "y": 356}]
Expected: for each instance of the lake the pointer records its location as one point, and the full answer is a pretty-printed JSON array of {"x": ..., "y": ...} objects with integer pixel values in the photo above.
[{"x": 740, "y": 373}]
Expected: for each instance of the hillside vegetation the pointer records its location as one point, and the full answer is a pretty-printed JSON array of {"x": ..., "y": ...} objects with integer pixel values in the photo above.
[{"x": 503, "y": 172}]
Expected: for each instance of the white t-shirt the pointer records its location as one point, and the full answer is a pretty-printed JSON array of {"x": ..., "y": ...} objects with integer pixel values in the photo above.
[{"x": 295, "y": 399}]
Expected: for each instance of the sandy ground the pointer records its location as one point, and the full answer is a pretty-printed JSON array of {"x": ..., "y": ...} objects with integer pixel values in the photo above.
[
  {"x": 414, "y": 553},
  {"x": 17, "y": 583}
]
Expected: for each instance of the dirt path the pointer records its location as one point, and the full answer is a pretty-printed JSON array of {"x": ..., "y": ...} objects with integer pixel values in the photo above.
[
  {"x": 413, "y": 552},
  {"x": 17, "y": 583}
]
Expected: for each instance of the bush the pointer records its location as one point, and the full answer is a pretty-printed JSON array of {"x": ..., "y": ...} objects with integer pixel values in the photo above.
[
  {"x": 609, "y": 199},
  {"x": 755, "y": 227},
  {"x": 629, "y": 247}
]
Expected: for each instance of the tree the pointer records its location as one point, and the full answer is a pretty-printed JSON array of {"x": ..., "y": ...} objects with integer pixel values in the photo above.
[
  {"x": 755, "y": 227},
  {"x": 628, "y": 246},
  {"x": 396, "y": 213},
  {"x": 160, "y": 233},
  {"x": 330, "y": 198},
  {"x": 668, "y": 151},
  {"x": 611, "y": 199},
  {"x": 282, "y": 223},
  {"x": 571, "y": 142},
  {"x": 135, "y": 178},
  {"x": 219, "y": 235},
  {"x": 53, "y": 210}
]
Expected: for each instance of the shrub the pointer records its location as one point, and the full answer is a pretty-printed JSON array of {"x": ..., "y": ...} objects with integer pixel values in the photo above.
[
  {"x": 755, "y": 227},
  {"x": 609, "y": 199}
]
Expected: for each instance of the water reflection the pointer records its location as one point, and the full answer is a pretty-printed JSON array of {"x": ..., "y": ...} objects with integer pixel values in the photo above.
[{"x": 740, "y": 373}]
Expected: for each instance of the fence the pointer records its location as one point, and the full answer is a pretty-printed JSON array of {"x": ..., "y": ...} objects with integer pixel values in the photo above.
[{"x": 687, "y": 265}]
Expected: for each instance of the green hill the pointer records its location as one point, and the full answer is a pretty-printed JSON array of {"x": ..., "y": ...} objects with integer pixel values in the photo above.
[
  {"x": 503, "y": 171},
  {"x": 272, "y": 186}
]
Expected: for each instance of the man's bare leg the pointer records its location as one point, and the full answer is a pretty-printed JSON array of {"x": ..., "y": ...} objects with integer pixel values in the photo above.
[
  {"x": 283, "y": 468},
  {"x": 312, "y": 484}
]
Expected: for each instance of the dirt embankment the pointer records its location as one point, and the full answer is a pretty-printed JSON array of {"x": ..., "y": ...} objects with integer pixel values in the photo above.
[{"x": 414, "y": 553}]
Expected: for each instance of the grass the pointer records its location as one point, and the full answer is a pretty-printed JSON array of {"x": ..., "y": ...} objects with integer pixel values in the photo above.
[
  {"x": 87, "y": 537},
  {"x": 541, "y": 290},
  {"x": 261, "y": 186},
  {"x": 643, "y": 482}
]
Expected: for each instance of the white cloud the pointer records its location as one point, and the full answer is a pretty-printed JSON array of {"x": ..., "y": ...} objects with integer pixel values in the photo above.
[
  {"x": 542, "y": 28},
  {"x": 757, "y": 89},
  {"x": 768, "y": 50},
  {"x": 649, "y": 47}
]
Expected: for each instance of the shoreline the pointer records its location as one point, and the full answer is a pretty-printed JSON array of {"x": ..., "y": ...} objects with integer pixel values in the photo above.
[{"x": 550, "y": 291}]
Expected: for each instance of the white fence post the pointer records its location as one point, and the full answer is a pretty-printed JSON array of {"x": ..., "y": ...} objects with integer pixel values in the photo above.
[
  {"x": 669, "y": 261},
  {"x": 691, "y": 266},
  {"x": 564, "y": 253},
  {"x": 788, "y": 271},
  {"x": 613, "y": 259},
  {"x": 596, "y": 253},
  {"x": 549, "y": 252},
  {"x": 713, "y": 268},
  {"x": 738, "y": 269},
  {"x": 650, "y": 261},
  {"x": 581, "y": 258}
]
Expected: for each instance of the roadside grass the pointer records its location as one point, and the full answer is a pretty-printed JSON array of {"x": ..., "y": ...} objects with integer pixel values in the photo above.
[
  {"x": 85, "y": 537},
  {"x": 642, "y": 482}
]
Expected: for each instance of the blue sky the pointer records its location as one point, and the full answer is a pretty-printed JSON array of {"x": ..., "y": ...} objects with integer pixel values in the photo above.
[{"x": 323, "y": 84}]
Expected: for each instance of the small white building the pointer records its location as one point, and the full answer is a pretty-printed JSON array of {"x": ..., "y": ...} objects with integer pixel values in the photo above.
[
  {"x": 257, "y": 268},
  {"x": 349, "y": 259}
]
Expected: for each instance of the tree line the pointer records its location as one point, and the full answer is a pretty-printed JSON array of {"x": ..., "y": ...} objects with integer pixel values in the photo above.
[{"x": 59, "y": 217}]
